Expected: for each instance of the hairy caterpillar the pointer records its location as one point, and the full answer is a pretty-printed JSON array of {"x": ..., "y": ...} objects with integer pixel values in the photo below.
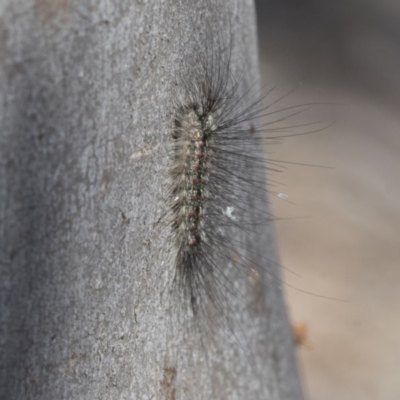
[
  {"x": 217, "y": 201},
  {"x": 217, "y": 175}
]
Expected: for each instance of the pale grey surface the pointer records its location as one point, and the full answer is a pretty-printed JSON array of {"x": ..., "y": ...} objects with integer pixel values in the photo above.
[
  {"x": 86, "y": 102},
  {"x": 345, "y": 52}
]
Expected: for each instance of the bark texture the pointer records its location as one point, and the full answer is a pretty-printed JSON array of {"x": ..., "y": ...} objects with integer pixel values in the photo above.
[{"x": 85, "y": 106}]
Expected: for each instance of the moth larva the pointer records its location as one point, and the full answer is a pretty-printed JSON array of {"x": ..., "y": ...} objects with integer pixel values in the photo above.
[
  {"x": 217, "y": 176},
  {"x": 217, "y": 207}
]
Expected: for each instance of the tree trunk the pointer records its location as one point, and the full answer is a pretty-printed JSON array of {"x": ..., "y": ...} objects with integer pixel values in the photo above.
[{"x": 86, "y": 104}]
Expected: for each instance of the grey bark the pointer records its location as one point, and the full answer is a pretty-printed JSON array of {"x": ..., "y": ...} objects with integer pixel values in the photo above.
[{"x": 86, "y": 101}]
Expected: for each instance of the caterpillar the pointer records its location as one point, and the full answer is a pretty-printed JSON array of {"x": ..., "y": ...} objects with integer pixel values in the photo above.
[
  {"x": 217, "y": 196},
  {"x": 218, "y": 171}
]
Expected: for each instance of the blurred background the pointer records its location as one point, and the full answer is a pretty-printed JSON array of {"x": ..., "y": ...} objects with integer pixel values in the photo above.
[{"x": 340, "y": 233}]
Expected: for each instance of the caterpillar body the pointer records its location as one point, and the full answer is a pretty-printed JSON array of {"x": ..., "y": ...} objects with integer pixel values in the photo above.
[
  {"x": 217, "y": 201},
  {"x": 217, "y": 191}
]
